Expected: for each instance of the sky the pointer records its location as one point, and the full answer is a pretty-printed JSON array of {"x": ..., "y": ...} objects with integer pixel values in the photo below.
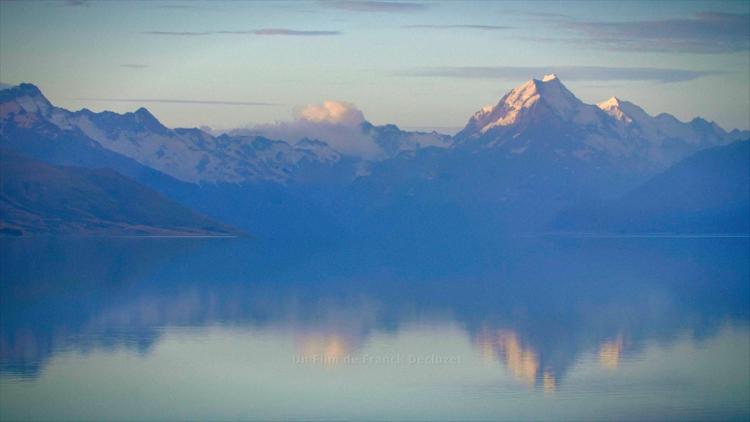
[{"x": 420, "y": 65}]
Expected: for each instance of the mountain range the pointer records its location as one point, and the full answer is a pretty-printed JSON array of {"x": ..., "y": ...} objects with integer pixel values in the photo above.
[
  {"x": 514, "y": 167},
  {"x": 543, "y": 116}
]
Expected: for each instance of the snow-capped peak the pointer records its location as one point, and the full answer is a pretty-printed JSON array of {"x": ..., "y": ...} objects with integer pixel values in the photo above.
[
  {"x": 557, "y": 96},
  {"x": 550, "y": 89},
  {"x": 522, "y": 99},
  {"x": 627, "y": 112},
  {"x": 614, "y": 107},
  {"x": 626, "y": 107},
  {"x": 28, "y": 97},
  {"x": 640, "y": 124},
  {"x": 612, "y": 102}
]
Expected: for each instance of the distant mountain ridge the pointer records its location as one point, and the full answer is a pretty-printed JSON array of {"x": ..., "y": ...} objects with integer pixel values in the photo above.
[
  {"x": 545, "y": 115},
  {"x": 514, "y": 166},
  {"x": 191, "y": 155},
  {"x": 537, "y": 115}
]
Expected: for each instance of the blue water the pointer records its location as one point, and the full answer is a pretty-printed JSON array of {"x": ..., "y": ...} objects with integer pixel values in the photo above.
[{"x": 527, "y": 328}]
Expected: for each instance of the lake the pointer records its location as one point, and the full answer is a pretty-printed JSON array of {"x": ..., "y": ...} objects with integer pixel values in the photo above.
[{"x": 525, "y": 328}]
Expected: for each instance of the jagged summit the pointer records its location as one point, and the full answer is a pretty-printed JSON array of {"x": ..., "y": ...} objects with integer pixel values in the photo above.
[
  {"x": 621, "y": 110},
  {"x": 540, "y": 116},
  {"x": 145, "y": 116},
  {"x": 612, "y": 102},
  {"x": 543, "y": 116},
  {"x": 195, "y": 156},
  {"x": 21, "y": 90},
  {"x": 557, "y": 96},
  {"x": 531, "y": 100},
  {"x": 25, "y": 96},
  {"x": 629, "y": 113},
  {"x": 28, "y": 89}
]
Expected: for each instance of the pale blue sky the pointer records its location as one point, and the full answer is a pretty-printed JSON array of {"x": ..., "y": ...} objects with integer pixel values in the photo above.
[{"x": 416, "y": 64}]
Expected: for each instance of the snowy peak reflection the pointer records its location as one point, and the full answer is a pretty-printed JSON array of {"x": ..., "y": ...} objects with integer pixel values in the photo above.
[
  {"x": 609, "y": 353},
  {"x": 521, "y": 361},
  {"x": 534, "y": 306}
]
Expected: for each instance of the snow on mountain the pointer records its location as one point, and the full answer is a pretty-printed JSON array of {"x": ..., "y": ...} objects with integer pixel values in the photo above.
[
  {"x": 196, "y": 156},
  {"x": 27, "y": 98},
  {"x": 634, "y": 126},
  {"x": 344, "y": 127},
  {"x": 515, "y": 164},
  {"x": 189, "y": 155},
  {"x": 318, "y": 149},
  {"x": 537, "y": 117},
  {"x": 545, "y": 115},
  {"x": 661, "y": 128},
  {"x": 25, "y": 105},
  {"x": 613, "y": 107},
  {"x": 394, "y": 141},
  {"x": 520, "y": 104},
  {"x": 542, "y": 116}
]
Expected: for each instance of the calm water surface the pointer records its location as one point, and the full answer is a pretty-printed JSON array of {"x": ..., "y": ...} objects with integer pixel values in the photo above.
[{"x": 242, "y": 329}]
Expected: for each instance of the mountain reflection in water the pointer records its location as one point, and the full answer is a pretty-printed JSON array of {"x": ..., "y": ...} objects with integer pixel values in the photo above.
[{"x": 532, "y": 308}]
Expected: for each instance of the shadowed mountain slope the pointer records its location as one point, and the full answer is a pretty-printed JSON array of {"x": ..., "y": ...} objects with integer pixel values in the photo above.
[
  {"x": 39, "y": 198},
  {"x": 708, "y": 192}
]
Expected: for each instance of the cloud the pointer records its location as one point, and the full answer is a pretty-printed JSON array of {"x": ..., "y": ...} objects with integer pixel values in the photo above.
[
  {"x": 537, "y": 15},
  {"x": 134, "y": 65},
  {"x": 375, "y": 6},
  {"x": 180, "y": 101},
  {"x": 260, "y": 32},
  {"x": 570, "y": 73},
  {"x": 76, "y": 3},
  {"x": 706, "y": 33},
  {"x": 335, "y": 122},
  {"x": 333, "y": 112},
  {"x": 293, "y": 32},
  {"x": 178, "y": 6},
  {"x": 477, "y": 27}
]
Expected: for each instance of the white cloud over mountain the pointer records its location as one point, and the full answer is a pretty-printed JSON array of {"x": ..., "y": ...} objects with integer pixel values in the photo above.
[
  {"x": 332, "y": 112},
  {"x": 336, "y": 122}
]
